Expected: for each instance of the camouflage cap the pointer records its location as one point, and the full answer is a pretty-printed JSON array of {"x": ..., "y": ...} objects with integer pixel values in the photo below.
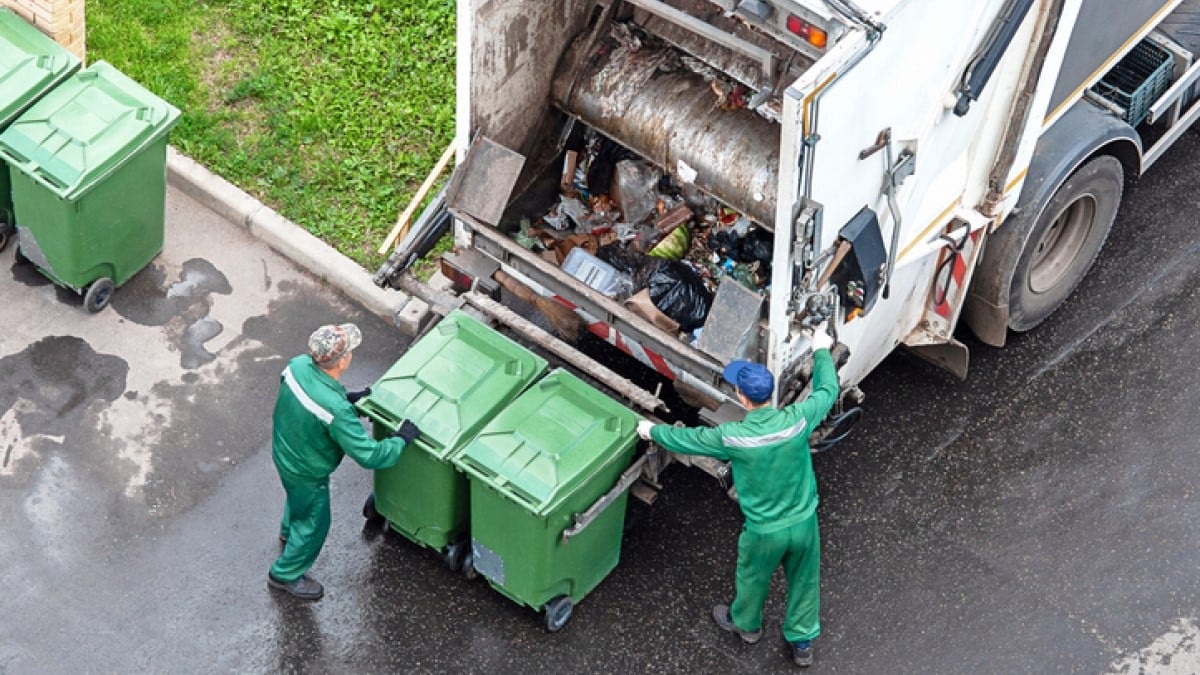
[{"x": 329, "y": 343}]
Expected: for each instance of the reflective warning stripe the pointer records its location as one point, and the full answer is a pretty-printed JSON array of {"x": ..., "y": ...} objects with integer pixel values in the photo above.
[
  {"x": 613, "y": 337},
  {"x": 958, "y": 272},
  {"x": 766, "y": 439},
  {"x": 305, "y": 400}
]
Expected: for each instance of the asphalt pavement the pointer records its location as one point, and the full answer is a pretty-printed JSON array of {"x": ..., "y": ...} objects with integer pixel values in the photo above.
[{"x": 1038, "y": 517}]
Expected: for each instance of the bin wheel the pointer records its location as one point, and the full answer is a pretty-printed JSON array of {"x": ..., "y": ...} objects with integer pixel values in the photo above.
[
  {"x": 455, "y": 554},
  {"x": 98, "y": 294},
  {"x": 369, "y": 511},
  {"x": 558, "y": 612},
  {"x": 468, "y": 565},
  {"x": 4, "y": 235}
]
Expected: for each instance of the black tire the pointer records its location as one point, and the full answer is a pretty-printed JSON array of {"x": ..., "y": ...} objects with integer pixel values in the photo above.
[
  {"x": 5, "y": 234},
  {"x": 468, "y": 566},
  {"x": 558, "y": 613},
  {"x": 455, "y": 554},
  {"x": 98, "y": 294},
  {"x": 1064, "y": 242},
  {"x": 369, "y": 511}
]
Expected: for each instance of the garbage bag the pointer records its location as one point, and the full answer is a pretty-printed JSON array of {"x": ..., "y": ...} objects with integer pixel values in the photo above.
[
  {"x": 636, "y": 188},
  {"x": 623, "y": 258},
  {"x": 676, "y": 291}
]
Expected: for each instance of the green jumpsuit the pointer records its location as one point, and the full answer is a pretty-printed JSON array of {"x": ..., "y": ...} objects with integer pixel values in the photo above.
[
  {"x": 772, "y": 471},
  {"x": 315, "y": 425}
]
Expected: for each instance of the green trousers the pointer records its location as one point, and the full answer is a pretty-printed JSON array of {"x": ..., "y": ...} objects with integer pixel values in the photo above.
[
  {"x": 305, "y": 525},
  {"x": 798, "y": 549}
]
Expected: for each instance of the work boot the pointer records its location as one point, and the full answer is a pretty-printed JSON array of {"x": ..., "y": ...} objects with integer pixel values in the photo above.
[
  {"x": 721, "y": 615},
  {"x": 305, "y": 588},
  {"x": 802, "y": 654}
]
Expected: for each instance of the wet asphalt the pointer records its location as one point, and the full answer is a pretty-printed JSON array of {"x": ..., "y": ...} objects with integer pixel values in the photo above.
[{"x": 1038, "y": 517}]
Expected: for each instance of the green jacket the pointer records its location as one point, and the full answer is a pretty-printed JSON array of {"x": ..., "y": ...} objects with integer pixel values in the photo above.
[
  {"x": 316, "y": 425},
  {"x": 768, "y": 451}
]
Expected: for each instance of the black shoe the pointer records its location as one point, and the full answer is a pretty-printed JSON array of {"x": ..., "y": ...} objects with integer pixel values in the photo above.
[
  {"x": 802, "y": 654},
  {"x": 720, "y": 614},
  {"x": 305, "y": 588}
]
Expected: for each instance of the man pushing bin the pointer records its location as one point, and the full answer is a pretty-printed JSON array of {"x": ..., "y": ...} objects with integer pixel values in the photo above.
[{"x": 315, "y": 425}]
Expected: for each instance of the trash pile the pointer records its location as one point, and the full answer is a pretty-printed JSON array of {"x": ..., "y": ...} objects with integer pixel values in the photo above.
[{"x": 651, "y": 240}]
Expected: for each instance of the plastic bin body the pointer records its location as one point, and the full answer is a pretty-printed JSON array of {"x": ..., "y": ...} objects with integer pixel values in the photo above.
[
  {"x": 31, "y": 64},
  {"x": 449, "y": 383},
  {"x": 548, "y": 456},
  {"x": 88, "y": 170}
]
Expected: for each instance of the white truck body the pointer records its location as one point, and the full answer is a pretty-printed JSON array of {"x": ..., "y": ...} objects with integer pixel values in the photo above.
[{"x": 884, "y": 89}]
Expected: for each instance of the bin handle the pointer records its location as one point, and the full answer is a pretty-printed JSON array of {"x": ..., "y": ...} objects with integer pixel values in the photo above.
[{"x": 627, "y": 479}]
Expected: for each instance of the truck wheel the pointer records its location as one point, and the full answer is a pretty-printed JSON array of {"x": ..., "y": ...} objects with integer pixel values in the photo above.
[
  {"x": 558, "y": 612},
  {"x": 1064, "y": 242},
  {"x": 99, "y": 292}
]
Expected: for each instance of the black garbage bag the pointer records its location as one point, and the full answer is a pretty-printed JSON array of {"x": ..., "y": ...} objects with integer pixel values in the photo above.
[
  {"x": 757, "y": 246},
  {"x": 676, "y": 291},
  {"x": 622, "y": 257}
]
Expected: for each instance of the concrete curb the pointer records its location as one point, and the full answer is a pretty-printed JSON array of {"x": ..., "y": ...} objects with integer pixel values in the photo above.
[{"x": 282, "y": 235}]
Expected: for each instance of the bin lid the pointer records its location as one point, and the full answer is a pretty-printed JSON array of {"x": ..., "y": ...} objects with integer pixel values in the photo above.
[
  {"x": 548, "y": 442},
  {"x": 30, "y": 64},
  {"x": 85, "y": 129},
  {"x": 451, "y": 382}
]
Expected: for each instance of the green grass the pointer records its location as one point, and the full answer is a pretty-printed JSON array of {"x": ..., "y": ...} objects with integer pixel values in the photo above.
[{"x": 330, "y": 111}]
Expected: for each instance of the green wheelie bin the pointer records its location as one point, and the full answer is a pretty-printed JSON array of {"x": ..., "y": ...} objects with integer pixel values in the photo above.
[
  {"x": 31, "y": 64},
  {"x": 89, "y": 180},
  {"x": 551, "y": 454},
  {"x": 449, "y": 383}
]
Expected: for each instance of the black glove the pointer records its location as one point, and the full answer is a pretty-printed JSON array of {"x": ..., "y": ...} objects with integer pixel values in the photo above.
[
  {"x": 353, "y": 396},
  {"x": 408, "y": 431}
]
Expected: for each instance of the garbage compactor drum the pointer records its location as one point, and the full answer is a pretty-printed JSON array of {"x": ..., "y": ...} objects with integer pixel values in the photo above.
[
  {"x": 548, "y": 456},
  {"x": 449, "y": 383}
]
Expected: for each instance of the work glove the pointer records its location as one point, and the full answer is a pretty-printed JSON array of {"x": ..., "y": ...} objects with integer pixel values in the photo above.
[
  {"x": 643, "y": 429},
  {"x": 353, "y": 396},
  {"x": 408, "y": 431},
  {"x": 821, "y": 338}
]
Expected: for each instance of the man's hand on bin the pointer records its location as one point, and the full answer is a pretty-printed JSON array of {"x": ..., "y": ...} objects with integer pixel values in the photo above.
[
  {"x": 353, "y": 396},
  {"x": 643, "y": 429},
  {"x": 408, "y": 431}
]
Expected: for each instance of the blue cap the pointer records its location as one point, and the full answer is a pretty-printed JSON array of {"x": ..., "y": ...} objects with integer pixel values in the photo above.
[{"x": 753, "y": 379}]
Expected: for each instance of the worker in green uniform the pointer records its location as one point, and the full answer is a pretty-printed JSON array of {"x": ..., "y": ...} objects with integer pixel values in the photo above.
[
  {"x": 315, "y": 425},
  {"x": 772, "y": 471}
]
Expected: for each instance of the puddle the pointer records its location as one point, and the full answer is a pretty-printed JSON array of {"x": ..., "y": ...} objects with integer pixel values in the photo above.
[{"x": 181, "y": 307}]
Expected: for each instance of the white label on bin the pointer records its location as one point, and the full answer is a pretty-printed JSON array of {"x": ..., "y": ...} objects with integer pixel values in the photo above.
[{"x": 487, "y": 563}]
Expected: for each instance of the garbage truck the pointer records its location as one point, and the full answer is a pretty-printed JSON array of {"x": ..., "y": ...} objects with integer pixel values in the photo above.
[{"x": 883, "y": 168}]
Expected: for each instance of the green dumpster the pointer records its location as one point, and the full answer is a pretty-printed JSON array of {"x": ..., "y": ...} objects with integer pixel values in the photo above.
[
  {"x": 31, "y": 64},
  {"x": 548, "y": 456},
  {"x": 89, "y": 180},
  {"x": 450, "y": 383}
]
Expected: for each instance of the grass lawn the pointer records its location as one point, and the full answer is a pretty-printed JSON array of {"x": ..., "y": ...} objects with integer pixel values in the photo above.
[{"x": 330, "y": 111}]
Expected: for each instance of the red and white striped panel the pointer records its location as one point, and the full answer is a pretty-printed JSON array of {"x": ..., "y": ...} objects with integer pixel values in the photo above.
[
  {"x": 957, "y": 272},
  {"x": 612, "y": 336}
]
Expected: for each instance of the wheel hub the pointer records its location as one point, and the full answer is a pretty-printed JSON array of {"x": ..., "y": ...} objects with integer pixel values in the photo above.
[{"x": 1061, "y": 243}]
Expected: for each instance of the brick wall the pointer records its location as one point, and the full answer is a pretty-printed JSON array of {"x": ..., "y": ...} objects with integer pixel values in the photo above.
[{"x": 62, "y": 20}]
